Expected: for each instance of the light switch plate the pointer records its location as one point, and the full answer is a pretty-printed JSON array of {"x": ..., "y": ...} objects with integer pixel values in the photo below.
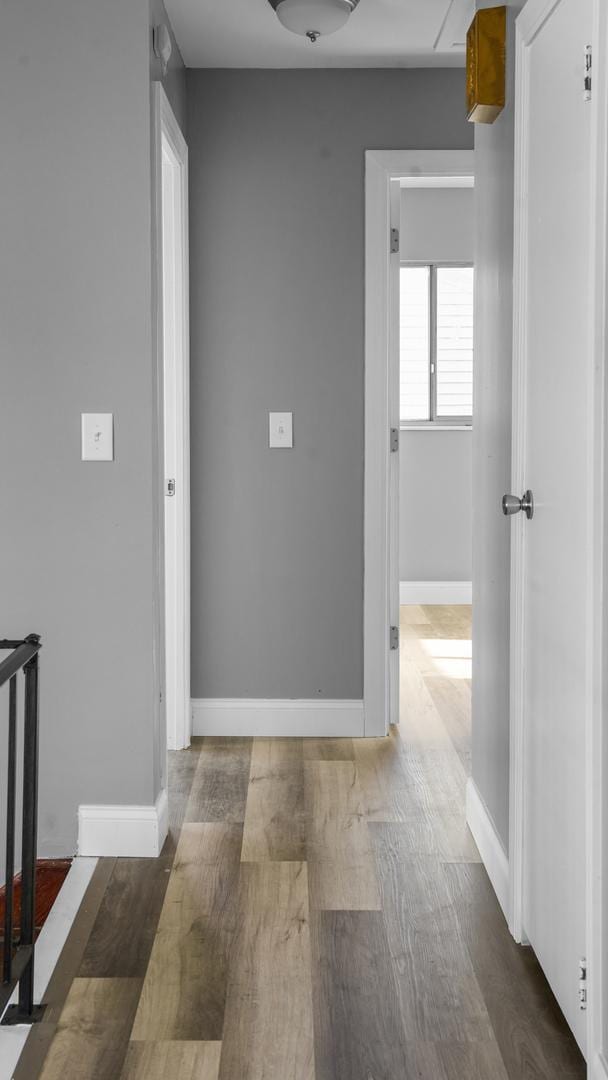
[
  {"x": 97, "y": 437},
  {"x": 280, "y": 429}
]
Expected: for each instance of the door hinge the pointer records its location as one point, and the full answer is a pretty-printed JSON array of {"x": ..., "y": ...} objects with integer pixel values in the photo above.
[
  {"x": 394, "y": 637},
  {"x": 169, "y": 487},
  {"x": 394, "y": 440},
  {"x": 394, "y": 241},
  {"x": 582, "y": 983},
  {"x": 588, "y": 63}
]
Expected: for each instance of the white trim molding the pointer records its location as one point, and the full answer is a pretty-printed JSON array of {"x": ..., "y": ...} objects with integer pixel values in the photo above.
[
  {"x": 132, "y": 832},
  {"x": 597, "y": 744},
  {"x": 435, "y": 592},
  {"x": 489, "y": 845},
  {"x": 386, "y": 171},
  {"x": 301, "y": 718}
]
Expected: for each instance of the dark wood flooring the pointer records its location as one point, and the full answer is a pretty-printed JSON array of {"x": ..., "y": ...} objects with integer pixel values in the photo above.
[{"x": 319, "y": 912}]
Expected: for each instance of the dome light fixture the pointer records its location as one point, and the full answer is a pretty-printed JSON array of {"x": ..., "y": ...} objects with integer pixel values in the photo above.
[{"x": 313, "y": 18}]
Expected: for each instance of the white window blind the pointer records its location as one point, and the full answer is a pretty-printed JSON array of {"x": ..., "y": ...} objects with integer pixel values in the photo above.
[
  {"x": 454, "y": 341},
  {"x": 436, "y": 343}
]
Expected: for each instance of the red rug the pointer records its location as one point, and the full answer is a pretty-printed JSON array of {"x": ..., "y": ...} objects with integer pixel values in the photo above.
[{"x": 50, "y": 876}]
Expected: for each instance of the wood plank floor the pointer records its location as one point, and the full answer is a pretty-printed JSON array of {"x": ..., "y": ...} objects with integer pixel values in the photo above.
[{"x": 319, "y": 912}]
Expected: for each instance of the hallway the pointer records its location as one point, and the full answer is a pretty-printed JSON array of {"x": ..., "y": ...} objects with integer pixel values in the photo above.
[{"x": 319, "y": 912}]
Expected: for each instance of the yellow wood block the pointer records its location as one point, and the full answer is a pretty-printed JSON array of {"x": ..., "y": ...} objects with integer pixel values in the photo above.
[{"x": 486, "y": 56}]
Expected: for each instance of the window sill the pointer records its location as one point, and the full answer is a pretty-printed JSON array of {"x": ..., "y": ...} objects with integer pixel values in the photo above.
[{"x": 436, "y": 427}]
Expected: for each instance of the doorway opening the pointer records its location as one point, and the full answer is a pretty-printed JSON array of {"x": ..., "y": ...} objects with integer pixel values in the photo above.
[
  {"x": 436, "y": 317},
  {"x": 436, "y": 285},
  {"x": 436, "y": 282},
  {"x": 426, "y": 640},
  {"x": 428, "y": 674},
  {"x": 392, "y": 177},
  {"x": 176, "y": 443}
]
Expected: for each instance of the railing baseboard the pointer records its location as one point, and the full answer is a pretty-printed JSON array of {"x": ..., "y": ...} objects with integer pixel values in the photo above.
[{"x": 18, "y": 966}]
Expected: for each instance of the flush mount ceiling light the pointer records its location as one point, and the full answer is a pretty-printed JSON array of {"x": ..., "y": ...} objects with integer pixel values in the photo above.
[{"x": 313, "y": 18}]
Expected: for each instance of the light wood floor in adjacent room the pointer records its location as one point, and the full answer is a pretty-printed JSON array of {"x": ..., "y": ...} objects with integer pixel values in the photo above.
[{"x": 319, "y": 913}]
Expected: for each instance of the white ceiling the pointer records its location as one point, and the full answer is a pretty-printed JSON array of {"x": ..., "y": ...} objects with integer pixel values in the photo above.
[{"x": 379, "y": 33}]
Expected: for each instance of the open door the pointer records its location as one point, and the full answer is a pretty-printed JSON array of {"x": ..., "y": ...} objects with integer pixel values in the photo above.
[{"x": 551, "y": 502}]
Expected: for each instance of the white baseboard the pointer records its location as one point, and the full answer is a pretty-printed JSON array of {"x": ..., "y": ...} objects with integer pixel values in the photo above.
[
  {"x": 489, "y": 844},
  {"x": 273, "y": 716},
  {"x": 123, "y": 831},
  {"x": 435, "y": 592}
]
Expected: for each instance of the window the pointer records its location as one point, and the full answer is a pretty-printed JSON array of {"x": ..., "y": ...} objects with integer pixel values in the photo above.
[{"x": 436, "y": 344}]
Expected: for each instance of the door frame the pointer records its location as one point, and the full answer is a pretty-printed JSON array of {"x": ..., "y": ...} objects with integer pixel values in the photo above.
[
  {"x": 527, "y": 27},
  {"x": 384, "y": 172},
  {"x": 177, "y": 622}
]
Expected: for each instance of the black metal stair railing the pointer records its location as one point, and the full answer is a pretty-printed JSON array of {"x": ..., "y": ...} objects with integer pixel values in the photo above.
[{"x": 18, "y": 962}]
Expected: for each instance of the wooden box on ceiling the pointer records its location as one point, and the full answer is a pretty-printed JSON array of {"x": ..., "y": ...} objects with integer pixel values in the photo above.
[{"x": 486, "y": 56}]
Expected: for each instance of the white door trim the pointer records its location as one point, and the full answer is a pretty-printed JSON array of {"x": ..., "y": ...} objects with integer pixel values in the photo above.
[
  {"x": 169, "y": 132},
  {"x": 597, "y": 744},
  {"x": 527, "y": 27},
  {"x": 385, "y": 170}
]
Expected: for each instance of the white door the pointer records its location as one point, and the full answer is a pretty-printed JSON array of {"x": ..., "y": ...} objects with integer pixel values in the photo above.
[
  {"x": 173, "y": 481},
  {"x": 552, "y": 430},
  {"x": 173, "y": 165},
  {"x": 394, "y": 412}
]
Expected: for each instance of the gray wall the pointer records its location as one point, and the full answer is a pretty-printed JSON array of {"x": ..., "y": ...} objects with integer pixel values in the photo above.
[
  {"x": 277, "y": 236},
  {"x": 492, "y": 453},
  {"x": 435, "y": 510},
  {"x": 77, "y": 558}
]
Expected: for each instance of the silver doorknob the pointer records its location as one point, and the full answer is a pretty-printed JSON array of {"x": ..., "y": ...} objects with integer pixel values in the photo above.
[{"x": 512, "y": 505}]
